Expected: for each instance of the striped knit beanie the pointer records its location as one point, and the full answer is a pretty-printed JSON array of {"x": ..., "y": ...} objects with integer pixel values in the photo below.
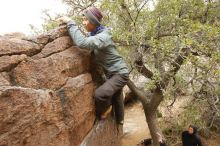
[{"x": 94, "y": 15}]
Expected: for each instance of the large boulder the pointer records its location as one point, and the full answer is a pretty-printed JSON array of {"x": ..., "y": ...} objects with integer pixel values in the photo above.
[
  {"x": 15, "y": 46},
  {"x": 46, "y": 94}
]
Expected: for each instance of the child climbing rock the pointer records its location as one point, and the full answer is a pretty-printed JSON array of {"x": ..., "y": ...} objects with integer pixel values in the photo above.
[{"x": 99, "y": 41}]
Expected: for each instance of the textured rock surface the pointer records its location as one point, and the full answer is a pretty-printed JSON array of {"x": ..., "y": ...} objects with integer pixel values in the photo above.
[
  {"x": 46, "y": 94},
  {"x": 104, "y": 133},
  {"x": 31, "y": 117},
  {"x": 78, "y": 106},
  {"x": 8, "y": 62},
  {"x": 57, "y": 45},
  {"x": 4, "y": 79},
  {"x": 16, "y": 46},
  {"x": 51, "y": 72}
]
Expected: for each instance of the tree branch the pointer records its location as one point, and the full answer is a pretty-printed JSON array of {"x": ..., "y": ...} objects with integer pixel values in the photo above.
[
  {"x": 176, "y": 66},
  {"x": 138, "y": 11},
  {"x": 139, "y": 64},
  {"x": 124, "y": 7},
  {"x": 139, "y": 93}
]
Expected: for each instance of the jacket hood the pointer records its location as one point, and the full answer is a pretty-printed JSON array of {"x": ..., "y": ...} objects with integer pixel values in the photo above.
[{"x": 195, "y": 129}]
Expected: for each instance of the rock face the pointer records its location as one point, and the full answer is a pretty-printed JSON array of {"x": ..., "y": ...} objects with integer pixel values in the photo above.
[{"x": 46, "y": 94}]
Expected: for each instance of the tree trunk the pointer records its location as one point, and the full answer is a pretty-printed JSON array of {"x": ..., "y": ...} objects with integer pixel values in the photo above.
[
  {"x": 151, "y": 101},
  {"x": 150, "y": 110},
  {"x": 153, "y": 126}
]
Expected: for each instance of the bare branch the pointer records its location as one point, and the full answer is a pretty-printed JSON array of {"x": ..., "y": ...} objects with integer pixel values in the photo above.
[
  {"x": 139, "y": 10},
  {"x": 139, "y": 64},
  {"x": 124, "y": 7},
  {"x": 176, "y": 66},
  {"x": 158, "y": 62},
  {"x": 79, "y": 5},
  {"x": 139, "y": 93}
]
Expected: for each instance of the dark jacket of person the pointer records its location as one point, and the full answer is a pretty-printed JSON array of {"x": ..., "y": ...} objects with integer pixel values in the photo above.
[
  {"x": 191, "y": 139},
  {"x": 148, "y": 142},
  {"x": 163, "y": 144}
]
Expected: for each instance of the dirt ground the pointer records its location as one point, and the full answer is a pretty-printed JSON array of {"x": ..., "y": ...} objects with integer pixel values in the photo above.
[
  {"x": 135, "y": 126},
  {"x": 213, "y": 141},
  {"x": 136, "y": 129}
]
